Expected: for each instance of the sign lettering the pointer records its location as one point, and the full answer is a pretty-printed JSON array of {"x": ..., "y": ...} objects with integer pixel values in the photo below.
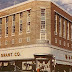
[{"x": 10, "y": 54}]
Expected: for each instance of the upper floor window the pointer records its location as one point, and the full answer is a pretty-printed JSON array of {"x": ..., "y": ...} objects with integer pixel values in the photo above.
[
  {"x": 64, "y": 43},
  {"x": 68, "y": 30},
  {"x": 13, "y": 25},
  {"x": 20, "y": 40},
  {"x": 28, "y": 15},
  {"x": 42, "y": 18},
  {"x": 60, "y": 42},
  {"x": 64, "y": 29},
  {"x": 12, "y": 41},
  {"x": 56, "y": 16},
  {"x": 43, "y": 35},
  {"x": 6, "y": 27},
  {"x": 29, "y": 12},
  {"x": 20, "y": 24},
  {"x": 42, "y": 24},
  {"x": 60, "y": 26},
  {"x": 42, "y": 12},
  {"x": 28, "y": 21},
  {"x": 21, "y": 15},
  {"x": 28, "y": 39},
  {"x": 14, "y": 17},
  {"x": 6, "y": 42},
  {"x": 7, "y": 19},
  {"x": 0, "y": 26},
  {"x": 67, "y": 44},
  {"x": 55, "y": 40},
  {"x": 28, "y": 27}
]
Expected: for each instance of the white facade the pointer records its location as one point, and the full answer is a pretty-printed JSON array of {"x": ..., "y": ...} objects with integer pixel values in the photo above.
[{"x": 27, "y": 52}]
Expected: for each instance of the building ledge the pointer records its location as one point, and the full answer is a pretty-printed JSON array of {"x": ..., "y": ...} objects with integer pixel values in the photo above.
[{"x": 42, "y": 41}]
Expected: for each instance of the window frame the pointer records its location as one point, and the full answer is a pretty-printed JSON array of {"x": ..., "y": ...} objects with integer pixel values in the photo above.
[
  {"x": 6, "y": 26},
  {"x": 28, "y": 21},
  {"x": 13, "y": 24},
  {"x": 20, "y": 23}
]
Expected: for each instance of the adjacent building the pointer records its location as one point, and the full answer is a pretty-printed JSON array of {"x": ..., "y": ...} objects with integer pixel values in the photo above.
[{"x": 32, "y": 28}]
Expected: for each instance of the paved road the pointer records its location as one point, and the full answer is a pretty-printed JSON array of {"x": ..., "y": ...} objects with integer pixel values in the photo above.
[{"x": 15, "y": 71}]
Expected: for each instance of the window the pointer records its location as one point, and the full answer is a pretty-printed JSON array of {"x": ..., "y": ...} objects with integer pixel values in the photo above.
[
  {"x": 5, "y": 63},
  {"x": 7, "y": 19},
  {"x": 28, "y": 20},
  {"x": 14, "y": 17},
  {"x": 28, "y": 27},
  {"x": 68, "y": 30},
  {"x": 43, "y": 25},
  {"x": 0, "y": 26},
  {"x": 12, "y": 41},
  {"x": 28, "y": 12},
  {"x": 55, "y": 40},
  {"x": 21, "y": 14},
  {"x": 42, "y": 18},
  {"x": 27, "y": 65},
  {"x": 60, "y": 42},
  {"x": 55, "y": 24},
  {"x": 64, "y": 43},
  {"x": 13, "y": 25},
  {"x": 20, "y": 24},
  {"x": 28, "y": 15},
  {"x": 20, "y": 27},
  {"x": 42, "y": 36},
  {"x": 6, "y": 27},
  {"x": 12, "y": 63},
  {"x": 60, "y": 26},
  {"x": 42, "y": 12},
  {"x": 64, "y": 29},
  {"x": 28, "y": 39},
  {"x": 0, "y": 64},
  {"x": 6, "y": 42},
  {"x": 67, "y": 44},
  {"x": 20, "y": 40}
]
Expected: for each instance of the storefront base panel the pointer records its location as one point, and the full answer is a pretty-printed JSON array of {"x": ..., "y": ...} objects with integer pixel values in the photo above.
[{"x": 63, "y": 68}]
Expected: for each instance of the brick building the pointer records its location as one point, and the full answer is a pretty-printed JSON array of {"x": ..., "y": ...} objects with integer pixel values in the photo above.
[{"x": 32, "y": 28}]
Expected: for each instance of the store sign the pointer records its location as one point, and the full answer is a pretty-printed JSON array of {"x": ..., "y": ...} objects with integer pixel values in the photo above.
[{"x": 10, "y": 54}]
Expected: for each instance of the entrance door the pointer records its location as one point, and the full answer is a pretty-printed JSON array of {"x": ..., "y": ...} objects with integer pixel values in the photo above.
[{"x": 44, "y": 63}]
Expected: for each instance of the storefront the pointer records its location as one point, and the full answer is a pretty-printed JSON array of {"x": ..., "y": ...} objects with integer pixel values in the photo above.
[{"x": 34, "y": 57}]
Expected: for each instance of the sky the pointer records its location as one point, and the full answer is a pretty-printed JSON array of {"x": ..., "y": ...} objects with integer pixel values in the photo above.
[{"x": 66, "y": 4}]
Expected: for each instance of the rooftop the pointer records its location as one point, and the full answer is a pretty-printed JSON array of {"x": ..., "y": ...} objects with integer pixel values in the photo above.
[{"x": 35, "y": 0}]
